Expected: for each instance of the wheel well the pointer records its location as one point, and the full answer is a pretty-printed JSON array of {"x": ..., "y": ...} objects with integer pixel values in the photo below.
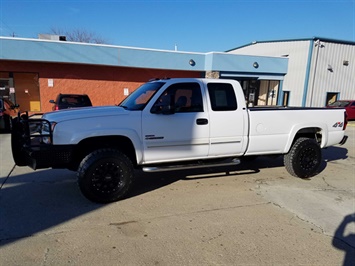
[
  {"x": 309, "y": 132},
  {"x": 88, "y": 145}
]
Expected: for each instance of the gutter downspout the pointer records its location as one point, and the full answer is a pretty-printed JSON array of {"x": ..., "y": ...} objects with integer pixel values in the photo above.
[
  {"x": 280, "y": 94},
  {"x": 308, "y": 70},
  {"x": 319, "y": 45}
]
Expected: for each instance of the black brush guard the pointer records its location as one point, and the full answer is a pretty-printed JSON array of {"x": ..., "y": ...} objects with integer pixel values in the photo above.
[{"x": 32, "y": 146}]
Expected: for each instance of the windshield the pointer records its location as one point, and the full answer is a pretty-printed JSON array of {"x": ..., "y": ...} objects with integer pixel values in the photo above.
[{"x": 141, "y": 96}]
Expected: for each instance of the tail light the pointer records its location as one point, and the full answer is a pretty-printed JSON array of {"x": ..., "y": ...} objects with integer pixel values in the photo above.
[
  {"x": 56, "y": 108},
  {"x": 345, "y": 120}
]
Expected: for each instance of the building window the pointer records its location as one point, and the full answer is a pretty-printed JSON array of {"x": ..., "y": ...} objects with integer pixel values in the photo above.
[
  {"x": 331, "y": 97},
  {"x": 285, "y": 98}
]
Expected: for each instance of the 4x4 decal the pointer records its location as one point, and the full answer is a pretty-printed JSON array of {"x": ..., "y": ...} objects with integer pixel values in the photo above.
[{"x": 338, "y": 124}]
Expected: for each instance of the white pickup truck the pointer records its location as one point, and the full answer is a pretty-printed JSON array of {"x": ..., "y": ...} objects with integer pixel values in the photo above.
[{"x": 172, "y": 124}]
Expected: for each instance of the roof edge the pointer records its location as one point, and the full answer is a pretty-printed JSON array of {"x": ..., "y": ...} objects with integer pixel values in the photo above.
[
  {"x": 102, "y": 45},
  {"x": 314, "y": 38}
]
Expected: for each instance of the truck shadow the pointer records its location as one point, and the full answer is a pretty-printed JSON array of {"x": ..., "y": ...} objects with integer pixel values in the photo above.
[
  {"x": 332, "y": 154},
  {"x": 34, "y": 202},
  {"x": 335, "y": 153},
  {"x": 4, "y": 132},
  {"x": 147, "y": 182}
]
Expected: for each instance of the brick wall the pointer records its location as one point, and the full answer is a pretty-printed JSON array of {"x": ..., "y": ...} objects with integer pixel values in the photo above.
[{"x": 104, "y": 84}]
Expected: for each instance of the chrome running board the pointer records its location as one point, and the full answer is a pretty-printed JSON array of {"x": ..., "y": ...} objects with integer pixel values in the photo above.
[{"x": 162, "y": 168}]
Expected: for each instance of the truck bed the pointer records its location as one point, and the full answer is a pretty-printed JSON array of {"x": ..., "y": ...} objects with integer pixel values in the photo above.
[{"x": 272, "y": 129}]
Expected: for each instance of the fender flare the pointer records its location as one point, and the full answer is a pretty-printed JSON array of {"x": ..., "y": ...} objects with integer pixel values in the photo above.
[{"x": 322, "y": 128}]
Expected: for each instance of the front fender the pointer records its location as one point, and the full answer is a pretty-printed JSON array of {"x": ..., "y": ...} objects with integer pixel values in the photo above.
[{"x": 69, "y": 132}]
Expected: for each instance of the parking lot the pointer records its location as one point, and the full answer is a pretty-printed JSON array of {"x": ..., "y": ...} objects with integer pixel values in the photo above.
[{"x": 253, "y": 214}]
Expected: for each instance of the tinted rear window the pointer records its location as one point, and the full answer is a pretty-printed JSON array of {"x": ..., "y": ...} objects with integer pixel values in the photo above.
[
  {"x": 74, "y": 101},
  {"x": 222, "y": 97}
]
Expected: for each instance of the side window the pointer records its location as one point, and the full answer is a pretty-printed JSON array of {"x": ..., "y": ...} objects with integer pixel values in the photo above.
[
  {"x": 183, "y": 97},
  {"x": 222, "y": 97}
]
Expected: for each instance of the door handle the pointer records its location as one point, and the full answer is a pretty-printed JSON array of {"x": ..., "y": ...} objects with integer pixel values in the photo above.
[{"x": 202, "y": 121}]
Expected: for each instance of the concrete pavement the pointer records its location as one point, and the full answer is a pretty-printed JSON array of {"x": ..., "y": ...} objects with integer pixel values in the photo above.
[{"x": 254, "y": 214}]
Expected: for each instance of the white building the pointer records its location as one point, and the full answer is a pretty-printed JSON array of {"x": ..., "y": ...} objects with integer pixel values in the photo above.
[{"x": 320, "y": 70}]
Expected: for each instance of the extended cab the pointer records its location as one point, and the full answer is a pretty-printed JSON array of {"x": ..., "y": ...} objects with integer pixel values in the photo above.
[{"x": 173, "y": 124}]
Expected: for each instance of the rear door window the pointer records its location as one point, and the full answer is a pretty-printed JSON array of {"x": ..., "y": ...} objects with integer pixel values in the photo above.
[{"x": 222, "y": 97}]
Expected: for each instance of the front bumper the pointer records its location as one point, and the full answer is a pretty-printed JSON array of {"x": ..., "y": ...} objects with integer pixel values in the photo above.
[
  {"x": 29, "y": 147},
  {"x": 46, "y": 156}
]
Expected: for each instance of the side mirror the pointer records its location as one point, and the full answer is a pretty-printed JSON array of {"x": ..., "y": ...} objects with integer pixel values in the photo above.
[{"x": 52, "y": 101}]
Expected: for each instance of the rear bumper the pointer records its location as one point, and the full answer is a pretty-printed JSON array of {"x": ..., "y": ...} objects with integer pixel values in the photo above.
[{"x": 343, "y": 141}]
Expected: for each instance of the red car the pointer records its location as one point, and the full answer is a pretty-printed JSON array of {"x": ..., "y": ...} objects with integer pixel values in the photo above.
[{"x": 349, "y": 106}]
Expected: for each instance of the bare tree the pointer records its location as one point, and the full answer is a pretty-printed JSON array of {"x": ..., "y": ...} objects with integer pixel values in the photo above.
[{"x": 78, "y": 35}]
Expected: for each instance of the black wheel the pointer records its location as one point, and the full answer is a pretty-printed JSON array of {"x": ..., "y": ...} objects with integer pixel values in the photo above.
[
  {"x": 304, "y": 158},
  {"x": 105, "y": 175}
]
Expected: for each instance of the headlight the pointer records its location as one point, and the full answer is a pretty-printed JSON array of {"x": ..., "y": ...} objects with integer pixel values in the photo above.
[
  {"x": 47, "y": 128},
  {"x": 41, "y": 131},
  {"x": 46, "y": 140}
]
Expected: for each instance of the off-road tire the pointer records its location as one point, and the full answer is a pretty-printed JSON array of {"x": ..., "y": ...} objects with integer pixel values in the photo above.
[
  {"x": 304, "y": 158},
  {"x": 105, "y": 175}
]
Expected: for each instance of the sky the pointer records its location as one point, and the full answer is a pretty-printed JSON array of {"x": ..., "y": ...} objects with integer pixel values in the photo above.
[{"x": 190, "y": 25}]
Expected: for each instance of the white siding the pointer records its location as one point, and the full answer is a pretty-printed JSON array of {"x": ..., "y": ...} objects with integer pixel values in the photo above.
[
  {"x": 297, "y": 52},
  {"x": 320, "y": 80},
  {"x": 340, "y": 79}
]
